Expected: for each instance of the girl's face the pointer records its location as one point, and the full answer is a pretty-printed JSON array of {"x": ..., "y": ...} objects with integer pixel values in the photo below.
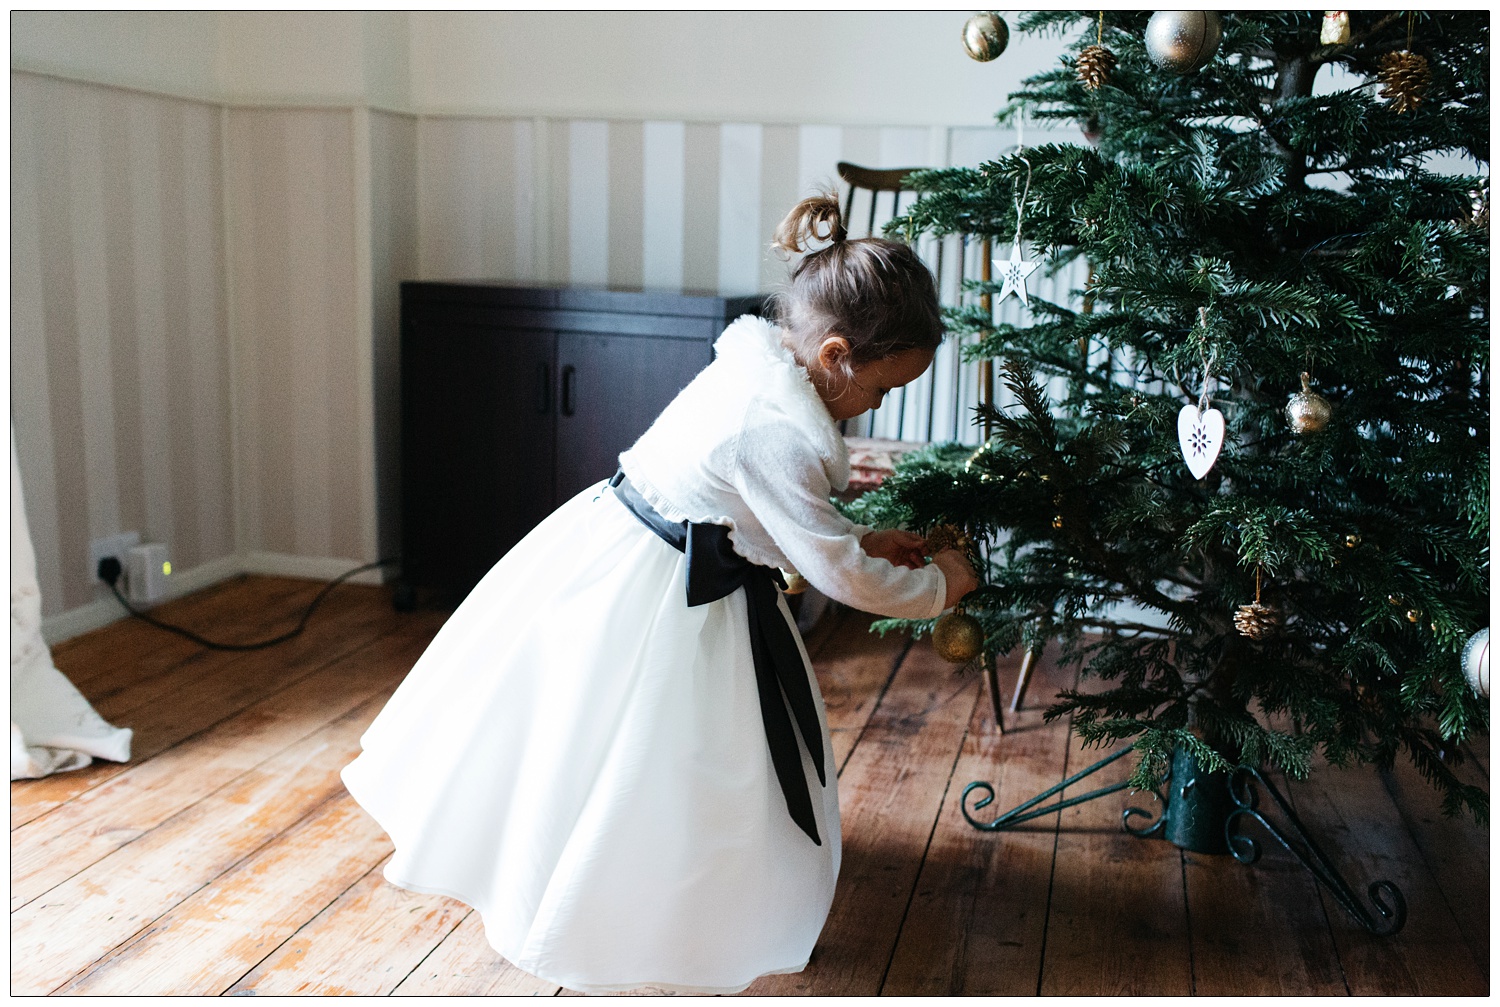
[{"x": 846, "y": 397}]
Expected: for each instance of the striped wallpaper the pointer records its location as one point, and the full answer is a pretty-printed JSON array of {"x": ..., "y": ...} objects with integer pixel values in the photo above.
[
  {"x": 204, "y": 307},
  {"x": 119, "y": 353}
]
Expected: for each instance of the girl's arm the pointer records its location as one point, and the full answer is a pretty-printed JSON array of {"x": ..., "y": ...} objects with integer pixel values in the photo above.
[{"x": 781, "y": 479}]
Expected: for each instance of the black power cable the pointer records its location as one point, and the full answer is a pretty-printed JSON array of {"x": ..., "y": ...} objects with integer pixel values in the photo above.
[{"x": 109, "y": 572}]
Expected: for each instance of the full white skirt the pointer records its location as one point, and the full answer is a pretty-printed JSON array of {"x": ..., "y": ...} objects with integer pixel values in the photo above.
[{"x": 580, "y": 757}]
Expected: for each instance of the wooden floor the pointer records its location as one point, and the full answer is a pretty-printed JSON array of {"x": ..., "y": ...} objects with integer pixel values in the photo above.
[{"x": 227, "y": 858}]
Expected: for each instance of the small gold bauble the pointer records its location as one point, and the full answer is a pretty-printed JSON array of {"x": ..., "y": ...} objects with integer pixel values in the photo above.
[
  {"x": 958, "y": 637},
  {"x": 1307, "y": 411},
  {"x": 985, "y": 36},
  {"x": 1414, "y": 615},
  {"x": 1351, "y": 541},
  {"x": 795, "y": 582},
  {"x": 1394, "y": 599},
  {"x": 1057, "y": 521}
]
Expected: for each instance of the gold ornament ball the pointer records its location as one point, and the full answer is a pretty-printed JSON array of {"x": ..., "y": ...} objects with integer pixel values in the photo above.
[
  {"x": 795, "y": 582},
  {"x": 958, "y": 637},
  {"x": 1181, "y": 41},
  {"x": 1352, "y": 541},
  {"x": 985, "y": 36},
  {"x": 1307, "y": 411},
  {"x": 1057, "y": 521},
  {"x": 1414, "y": 615}
]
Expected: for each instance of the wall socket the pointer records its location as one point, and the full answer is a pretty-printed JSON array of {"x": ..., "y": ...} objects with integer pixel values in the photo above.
[{"x": 111, "y": 545}]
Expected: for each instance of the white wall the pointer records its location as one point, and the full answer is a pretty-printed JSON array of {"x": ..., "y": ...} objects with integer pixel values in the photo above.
[
  {"x": 846, "y": 67},
  {"x": 888, "y": 68}
]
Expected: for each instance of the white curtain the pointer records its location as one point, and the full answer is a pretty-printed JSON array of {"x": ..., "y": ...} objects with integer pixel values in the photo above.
[{"x": 52, "y": 727}]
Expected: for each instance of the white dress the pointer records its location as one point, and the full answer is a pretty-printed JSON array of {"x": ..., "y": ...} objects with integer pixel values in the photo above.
[{"x": 580, "y": 756}]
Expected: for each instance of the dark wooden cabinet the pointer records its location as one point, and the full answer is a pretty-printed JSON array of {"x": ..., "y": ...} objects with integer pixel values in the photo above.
[{"x": 514, "y": 399}]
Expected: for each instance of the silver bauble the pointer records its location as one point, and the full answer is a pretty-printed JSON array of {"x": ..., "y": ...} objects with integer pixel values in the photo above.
[
  {"x": 1182, "y": 41},
  {"x": 985, "y": 36},
  {"x": 1476, "y": 663}
]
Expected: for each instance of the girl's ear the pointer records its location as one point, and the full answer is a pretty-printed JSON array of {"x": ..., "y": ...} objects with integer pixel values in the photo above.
[{"x": 833, "y": 352}]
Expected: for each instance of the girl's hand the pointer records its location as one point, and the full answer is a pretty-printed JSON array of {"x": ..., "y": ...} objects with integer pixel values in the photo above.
[
  {"x": 958, "y": 573},
  {"x": 899, "y": 548}
]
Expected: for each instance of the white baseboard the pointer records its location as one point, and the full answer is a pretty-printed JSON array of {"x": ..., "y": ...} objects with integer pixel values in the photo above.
[
  {"x": 105, "y": 610},
  {"x": 281, "y": 564}
]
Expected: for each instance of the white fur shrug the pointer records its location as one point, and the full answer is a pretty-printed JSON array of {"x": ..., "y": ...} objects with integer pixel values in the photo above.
[{"x": 749, "y": 444}]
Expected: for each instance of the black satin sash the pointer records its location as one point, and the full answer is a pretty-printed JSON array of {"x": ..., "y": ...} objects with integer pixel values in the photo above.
[{"x": 715, "y": 571}]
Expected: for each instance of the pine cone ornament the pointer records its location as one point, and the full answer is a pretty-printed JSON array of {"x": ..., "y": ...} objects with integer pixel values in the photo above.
[
  {"x": 1094, "y": 65},
  {"x": 1256, "y": 621},
  {"x": 948, "y": 536},
  {"x": 1404, "y": 78}
]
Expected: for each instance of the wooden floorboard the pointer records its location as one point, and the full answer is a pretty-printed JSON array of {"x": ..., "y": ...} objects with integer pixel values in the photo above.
[
  {"x": 1455, "y": 850},
  {"x": 226, "y": 857},
  {"x": 197, "y": 694},
  {"x": 1258, "y": 929},
  {"x": 1353, "y": 819},
  {"x": 976, "y": 919},
  {"x": 889, "y": 795}
]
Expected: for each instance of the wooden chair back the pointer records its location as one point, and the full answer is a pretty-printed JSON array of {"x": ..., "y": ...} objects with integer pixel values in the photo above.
[{"x": 878, "y": 182}]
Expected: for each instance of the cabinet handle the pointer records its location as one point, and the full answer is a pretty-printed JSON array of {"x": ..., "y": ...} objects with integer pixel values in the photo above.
[
  {"x": 567, "y": 390},
  {"x": 543, "y": 388}
]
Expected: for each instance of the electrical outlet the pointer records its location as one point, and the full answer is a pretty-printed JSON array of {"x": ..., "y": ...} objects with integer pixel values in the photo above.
[
  {"x": 111, "y": 545},
  {"x": 147, "y": 570}
]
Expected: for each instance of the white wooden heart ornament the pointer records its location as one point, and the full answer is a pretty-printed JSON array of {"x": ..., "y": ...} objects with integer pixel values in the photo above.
[{"x": 1200, "y": 436}]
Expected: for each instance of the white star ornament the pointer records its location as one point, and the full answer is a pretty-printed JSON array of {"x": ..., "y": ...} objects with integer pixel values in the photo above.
[{"x": 1013, "y": 272}]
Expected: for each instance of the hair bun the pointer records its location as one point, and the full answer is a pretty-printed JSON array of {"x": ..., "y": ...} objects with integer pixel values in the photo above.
[{"x": 816, "y": 218}]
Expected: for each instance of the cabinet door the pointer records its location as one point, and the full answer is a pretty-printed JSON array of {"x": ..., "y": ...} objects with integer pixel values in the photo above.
[
  {"x": 478, "y": 422},
  {"x": 610, "y": 389}
]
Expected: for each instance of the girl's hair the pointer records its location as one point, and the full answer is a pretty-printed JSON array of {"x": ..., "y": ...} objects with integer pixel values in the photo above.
[{"x": 875, "y": 293}]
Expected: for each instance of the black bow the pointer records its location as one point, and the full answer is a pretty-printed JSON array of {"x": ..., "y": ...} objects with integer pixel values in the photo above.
[{"x": 716, "y": 571}]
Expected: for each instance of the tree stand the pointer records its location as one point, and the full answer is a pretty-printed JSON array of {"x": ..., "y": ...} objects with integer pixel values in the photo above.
[{"x": 1202, "y": 814}]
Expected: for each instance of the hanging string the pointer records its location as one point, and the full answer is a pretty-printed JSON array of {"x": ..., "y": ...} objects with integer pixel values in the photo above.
[
  {"x": 1021, "y": 203},
  {"x": 1410, "y": 17},
  {"x": 1208, "y": 359},
  {"x": 1257, "y": 583},
  {"x": 1101, "y": 28}
]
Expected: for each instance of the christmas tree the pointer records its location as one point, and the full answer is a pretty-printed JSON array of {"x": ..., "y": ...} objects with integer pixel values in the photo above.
[{"x": 1242, "y": 228}]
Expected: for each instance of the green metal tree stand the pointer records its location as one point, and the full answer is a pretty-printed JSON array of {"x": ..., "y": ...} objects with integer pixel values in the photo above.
[{"x": 1203, "y": 814}]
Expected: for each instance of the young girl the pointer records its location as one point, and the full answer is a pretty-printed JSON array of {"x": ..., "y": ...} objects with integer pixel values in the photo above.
[{"x": 615, "y": 749}]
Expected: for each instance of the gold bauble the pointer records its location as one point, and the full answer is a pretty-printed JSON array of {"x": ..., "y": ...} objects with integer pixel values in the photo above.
[
  {"x": 985, "y": 36},
  {"x": 795, "y": 582},
  {"x": 1414, "y": 615},
  {"x": 1057, "y": 521},
  {"x": 1307, "y": 411},
  {"x": 1351, "y": 541},
  {"x": 958, "y": 637}
]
